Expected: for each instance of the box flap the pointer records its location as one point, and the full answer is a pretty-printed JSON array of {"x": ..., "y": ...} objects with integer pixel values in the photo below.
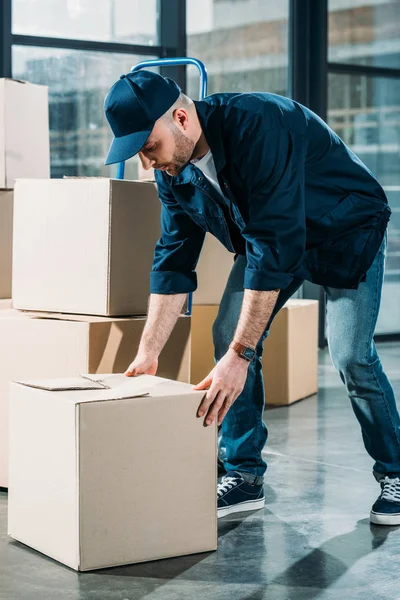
[
  {"x": 63, "y": 385},
  {"x": 97, "y": 388},
  {"x": 93, "y": 388},
  {"x": 15, "y": 80},
  {"x": 83, "y": 177},
  {"x": 55, "y": 316}
]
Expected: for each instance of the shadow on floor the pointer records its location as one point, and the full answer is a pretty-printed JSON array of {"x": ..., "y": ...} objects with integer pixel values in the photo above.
[{"x": 324, "y": 565}]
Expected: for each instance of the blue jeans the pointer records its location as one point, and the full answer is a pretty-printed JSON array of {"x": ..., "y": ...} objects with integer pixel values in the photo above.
[{"x": 351, "y": 321}]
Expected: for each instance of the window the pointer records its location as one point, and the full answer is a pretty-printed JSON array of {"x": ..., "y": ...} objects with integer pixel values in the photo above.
[
  {"x": 365, "y": 32},
  {"x": 365, "y": 113},
  {"x": 126, "y": 21},
  {"x": 364, "y": 109},
  {"x": 78, "y": 82},
  {"x": 243, "y": 43}
]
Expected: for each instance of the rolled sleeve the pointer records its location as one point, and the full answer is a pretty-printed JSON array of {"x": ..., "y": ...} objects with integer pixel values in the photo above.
[
  {"x": 177, "y": 251},
  {"x": 172, "y": 282},
  {"x": 265, "y": 280}
]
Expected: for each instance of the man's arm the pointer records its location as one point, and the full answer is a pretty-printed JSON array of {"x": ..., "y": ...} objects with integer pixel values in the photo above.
[
  {"x": 256, "y": 312},
  {"x": 172, "y": 277},
  {"x": 163, "y": 313},
  {"x": 227, "y": 380}
]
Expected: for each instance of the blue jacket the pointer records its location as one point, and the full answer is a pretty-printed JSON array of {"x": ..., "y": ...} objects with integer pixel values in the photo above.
[{"x": 297, "y": 201}]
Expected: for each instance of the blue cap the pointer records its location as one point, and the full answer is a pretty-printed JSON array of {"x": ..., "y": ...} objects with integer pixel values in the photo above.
[{"x": 132, "y": 106}]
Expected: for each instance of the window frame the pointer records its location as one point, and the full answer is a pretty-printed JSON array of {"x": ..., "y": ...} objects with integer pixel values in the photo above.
[
  {"x": 308, "y": 66},
  {"x": 171, "y": 30}
]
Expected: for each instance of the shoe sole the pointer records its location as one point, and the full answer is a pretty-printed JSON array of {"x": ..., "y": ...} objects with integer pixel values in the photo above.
[
  {"x": 384, "y": 519},
  {"x": 242, "y": 507}
]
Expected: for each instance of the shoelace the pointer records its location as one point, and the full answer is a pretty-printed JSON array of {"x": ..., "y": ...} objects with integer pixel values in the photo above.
[
  {"x": 391, "y": 489},
  {"x": 226, "y": 484}
]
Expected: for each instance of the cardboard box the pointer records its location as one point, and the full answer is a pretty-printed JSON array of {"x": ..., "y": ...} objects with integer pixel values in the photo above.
[
  {"x": 202, "y": 345},
  {"x": 110, "y": 478},
  {"x": 212, "y": 270},
  {"x": 67, "y": 345},
  {"x": 84, "y": 246},
  {"x": 6, "y": 229},
  {"x": 24, "y": 131},
  {"x": 290, "y": 359}
]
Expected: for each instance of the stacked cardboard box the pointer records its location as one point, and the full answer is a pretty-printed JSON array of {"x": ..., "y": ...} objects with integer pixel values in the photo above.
[
  {"x": 24, "y": 131},
  {"x": 84, "y": 245},
  {"x": 290, "y": 358},
  {"x": 24, "y": 152},
  {"x": 82, "y": 257},
  {"x": 55, "y": 345},
  {"x": 81, "y": 247}
]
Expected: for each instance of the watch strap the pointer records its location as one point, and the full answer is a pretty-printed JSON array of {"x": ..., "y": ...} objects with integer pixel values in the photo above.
[{"x": 243, "y": 351}]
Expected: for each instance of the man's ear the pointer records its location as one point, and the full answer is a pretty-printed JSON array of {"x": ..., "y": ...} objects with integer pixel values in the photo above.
[{"x": 181, "y": 118}]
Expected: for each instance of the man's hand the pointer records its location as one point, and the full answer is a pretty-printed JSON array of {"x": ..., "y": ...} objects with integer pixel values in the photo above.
[
  {"x": 164, "y": 311},
  {"x": 142, "y": 365},
  {"x": 226, "y": 382}
]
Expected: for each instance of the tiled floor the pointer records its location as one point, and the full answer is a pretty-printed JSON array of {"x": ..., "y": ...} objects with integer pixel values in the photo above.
[{"x": 312, "y": 541}]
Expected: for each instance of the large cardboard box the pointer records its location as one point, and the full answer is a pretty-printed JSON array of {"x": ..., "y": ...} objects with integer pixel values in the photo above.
[
  {"x": 24, "y": 131},
  {"x": 212, "y": 270},
  {"x": 110, "y": 478},
  {"x": 6, "y": 230},
  {"x": 84, "y": 246},
  {"x": 290, "y": 359},
  {"x": 68, "y": 345}
]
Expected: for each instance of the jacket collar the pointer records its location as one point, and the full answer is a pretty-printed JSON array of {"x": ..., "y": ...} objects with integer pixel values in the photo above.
[{"x": 212, "y": 127}]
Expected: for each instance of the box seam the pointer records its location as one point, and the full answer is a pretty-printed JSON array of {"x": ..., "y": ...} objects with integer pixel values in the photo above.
[
  {"x": 108, "y": 286},
  {"x": 78, "y": 491},
  {"x": 287, "y": 382},
  {"x": 87, "y": 347},
  {"x": 5, "y": 136}
]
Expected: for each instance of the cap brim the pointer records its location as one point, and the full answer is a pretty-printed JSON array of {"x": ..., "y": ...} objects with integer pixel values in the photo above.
[{"x": 126, "y": 146}]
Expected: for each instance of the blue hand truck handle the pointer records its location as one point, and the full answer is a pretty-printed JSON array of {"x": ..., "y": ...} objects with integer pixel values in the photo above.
[{"x": 172, "y": 62}]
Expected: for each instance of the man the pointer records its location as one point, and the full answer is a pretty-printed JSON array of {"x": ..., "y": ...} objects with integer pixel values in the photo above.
[{"x": 281, "y": 190}]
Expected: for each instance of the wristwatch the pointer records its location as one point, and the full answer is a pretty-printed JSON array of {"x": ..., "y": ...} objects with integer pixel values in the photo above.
[{"x": 243, "y": 351}]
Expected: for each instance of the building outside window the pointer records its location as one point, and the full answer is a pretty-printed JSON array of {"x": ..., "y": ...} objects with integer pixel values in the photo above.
[
  {"x": 243, "y": 43},
  {"x": 78, "y": 80},
  {"x": 364, "y": 109}
]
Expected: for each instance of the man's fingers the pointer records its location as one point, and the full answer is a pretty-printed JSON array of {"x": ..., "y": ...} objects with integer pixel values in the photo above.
[
  {"x": 215, "y": 408},
  {"x": 131, "y": 371},
  {"x": 208, "y": 399},
  {"x": 204, "y": 384}
]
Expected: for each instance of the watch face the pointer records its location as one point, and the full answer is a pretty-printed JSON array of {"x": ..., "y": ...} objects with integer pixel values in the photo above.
[{"x": 249, "y": 353}]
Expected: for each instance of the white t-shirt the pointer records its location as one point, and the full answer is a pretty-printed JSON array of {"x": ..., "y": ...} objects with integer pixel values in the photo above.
[{"x": 207, "y": 166}]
